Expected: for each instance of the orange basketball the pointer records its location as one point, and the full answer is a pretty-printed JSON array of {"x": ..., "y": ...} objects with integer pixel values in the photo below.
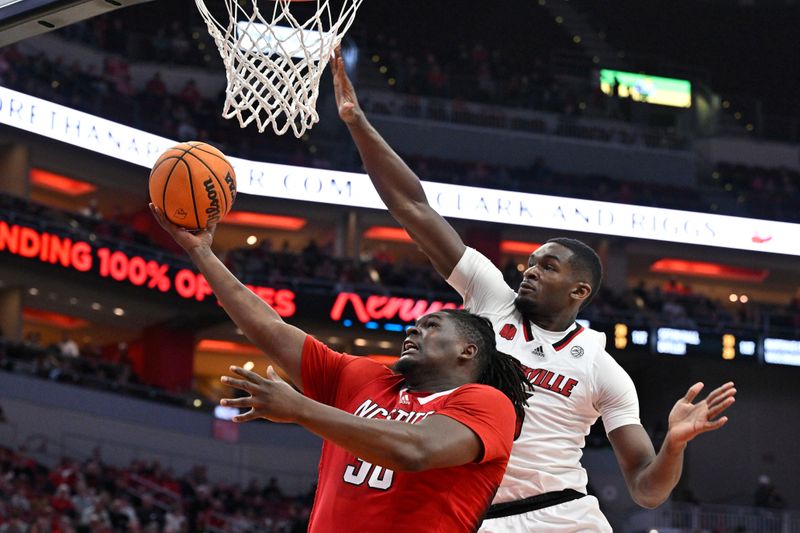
[{"x": 193, "y": 184}]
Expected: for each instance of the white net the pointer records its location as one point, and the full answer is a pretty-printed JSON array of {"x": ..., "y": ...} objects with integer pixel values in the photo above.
[{"x": 273, "y": 63}]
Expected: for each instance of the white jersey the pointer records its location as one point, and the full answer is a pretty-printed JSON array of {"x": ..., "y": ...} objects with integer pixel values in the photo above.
[{"x": 575, "y": 381}]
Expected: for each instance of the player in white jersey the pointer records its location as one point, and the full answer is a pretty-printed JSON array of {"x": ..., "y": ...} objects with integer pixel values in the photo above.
[{"x": 544, "y": 489}]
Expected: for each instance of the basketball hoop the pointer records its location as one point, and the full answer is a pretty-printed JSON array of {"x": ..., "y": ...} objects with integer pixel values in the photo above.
[{"x": 273, "y": 64}]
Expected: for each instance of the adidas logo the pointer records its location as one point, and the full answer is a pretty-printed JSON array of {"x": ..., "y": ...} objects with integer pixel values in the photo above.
[{"x": 539, "y": 351}]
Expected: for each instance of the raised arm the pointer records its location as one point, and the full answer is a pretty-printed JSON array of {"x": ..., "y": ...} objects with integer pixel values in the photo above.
[
  {"x": 651, "y": 477},
  {"x": 282, "y": 342},
  {"x": 436, "y": 442},
  {"x": 398, "y": 186}
]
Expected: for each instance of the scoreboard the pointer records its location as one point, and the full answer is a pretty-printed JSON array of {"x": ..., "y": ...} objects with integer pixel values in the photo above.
[
  {"x": 646, "y": 89},
  {"x": 723, "y": 344}
]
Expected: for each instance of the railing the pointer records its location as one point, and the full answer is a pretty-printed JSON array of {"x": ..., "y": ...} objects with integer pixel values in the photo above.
[
  {"x": 50, "y": 449},
  {"x": 165, "y": 499},
  {"x": 83, "y": 371},
  {"x": 689, "y": 518},
  {"x": 517, "y": 119},
  {"x": 235, "y": 470},
  {"x": 9, "y": 432}
]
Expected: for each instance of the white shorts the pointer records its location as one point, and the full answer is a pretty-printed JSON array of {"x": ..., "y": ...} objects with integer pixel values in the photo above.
[{"x": 576, "y": 516}]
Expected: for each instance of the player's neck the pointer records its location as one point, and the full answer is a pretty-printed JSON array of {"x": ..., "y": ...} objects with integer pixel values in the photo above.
[
  {"x": 434, "y": 383},
  {"x": 561, "y": 321}
]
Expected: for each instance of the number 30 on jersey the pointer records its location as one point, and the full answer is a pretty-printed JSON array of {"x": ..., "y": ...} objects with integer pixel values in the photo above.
[{"x": 379, "y": 477}]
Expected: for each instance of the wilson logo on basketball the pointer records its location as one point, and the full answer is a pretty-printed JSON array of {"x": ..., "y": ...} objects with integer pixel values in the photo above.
[
  {"x": 180, "y": 213},
  {"x": 212, "y": 210},
  {"x": 231, "y": 185},
  {"x": 508, "y": 332}
]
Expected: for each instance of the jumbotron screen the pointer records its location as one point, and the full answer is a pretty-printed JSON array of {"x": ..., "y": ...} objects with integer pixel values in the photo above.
[{"x": 648, "y": 89}]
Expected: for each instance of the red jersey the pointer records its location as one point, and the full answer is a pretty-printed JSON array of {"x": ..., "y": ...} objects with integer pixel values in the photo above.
[{"x": 353, "y": 495}]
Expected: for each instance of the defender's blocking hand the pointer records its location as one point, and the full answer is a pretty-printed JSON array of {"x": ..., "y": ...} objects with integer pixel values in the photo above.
[
  {"x": 687, "y": 419},
  {"x": 346, "y": 101}
]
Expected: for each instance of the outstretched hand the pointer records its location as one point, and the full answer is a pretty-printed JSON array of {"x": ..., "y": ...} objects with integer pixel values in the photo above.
[
  {"x": 188, "y": 240},
  {"x": 270, "y": 396},
  {"x": 687, "y": 420},
  {"x": 346, "y": 101}
]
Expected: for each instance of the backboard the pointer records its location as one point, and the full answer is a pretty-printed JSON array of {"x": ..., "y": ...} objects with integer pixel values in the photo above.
[{"x": 20, "y": 19}]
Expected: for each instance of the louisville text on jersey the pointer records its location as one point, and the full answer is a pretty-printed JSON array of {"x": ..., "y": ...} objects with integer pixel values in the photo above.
[{"x": 552, "y": 381}]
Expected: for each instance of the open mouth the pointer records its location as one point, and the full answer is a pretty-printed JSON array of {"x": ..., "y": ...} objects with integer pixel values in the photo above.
[{"x": 408, "y": 346}]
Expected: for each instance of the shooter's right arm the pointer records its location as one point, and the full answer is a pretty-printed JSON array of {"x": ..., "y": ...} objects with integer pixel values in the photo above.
[
  {"x": 282, "y": 342},
  {"x": 398, "y": 186}
]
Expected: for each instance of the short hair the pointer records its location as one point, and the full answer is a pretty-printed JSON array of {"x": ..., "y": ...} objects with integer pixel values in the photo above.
[
  {"x": 495, "y": 368},
  {"x": 585, "y": 261}
]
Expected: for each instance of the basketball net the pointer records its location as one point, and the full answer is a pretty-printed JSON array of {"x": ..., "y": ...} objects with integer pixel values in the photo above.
[{"x": 273, "y": 64}]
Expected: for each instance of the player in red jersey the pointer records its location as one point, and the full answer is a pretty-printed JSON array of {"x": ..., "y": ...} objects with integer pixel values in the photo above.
[{"x": 397, "y": 443}]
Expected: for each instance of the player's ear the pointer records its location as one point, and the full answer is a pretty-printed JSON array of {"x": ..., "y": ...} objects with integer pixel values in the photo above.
[
  {"x": 469, "y": 352},
  {"x": 581, "y": 291}
]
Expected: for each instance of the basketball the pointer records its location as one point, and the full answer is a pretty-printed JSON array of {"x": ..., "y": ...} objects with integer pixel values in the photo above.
[{"x": 194, "y": 184}]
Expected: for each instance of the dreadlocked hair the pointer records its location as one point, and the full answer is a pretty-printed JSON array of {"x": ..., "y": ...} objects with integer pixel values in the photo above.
[{"x": 495, "y": 368}]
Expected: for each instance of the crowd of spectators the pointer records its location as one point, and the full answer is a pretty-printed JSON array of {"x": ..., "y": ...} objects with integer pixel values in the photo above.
[
  {"x": 540, "y": 178},
  {"x": 445, "y": 67},
  {"x": 674, "y": 304},
  {"x": 97, "y": 497},
  {"x": 772, "y": 193},
  {"x": 475, "y": 73},
  {"x": 315, "y": 265},
  {"x": 88, "y": 223},
  {"x": 497, "y": 73},
  {"x": 177, "y": 39},
  {"x": 109, "y": 92},
  {"x": 131, "y": 233},
  {"x": 108, "y": 368},
  {"x": 462, "y": 111},
  {"x": 766, "y": 494},
  {"x": 179, "y": 114},
  {"x": 487, "y": 68},
  {"x": 709, "y": 41}
]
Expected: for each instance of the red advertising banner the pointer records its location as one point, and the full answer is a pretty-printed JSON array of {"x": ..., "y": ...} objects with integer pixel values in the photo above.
[
  {"x": 116, "y": 265},
  {"x": 349, "y": 308},
  {"x": 380, "y": 307}
]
